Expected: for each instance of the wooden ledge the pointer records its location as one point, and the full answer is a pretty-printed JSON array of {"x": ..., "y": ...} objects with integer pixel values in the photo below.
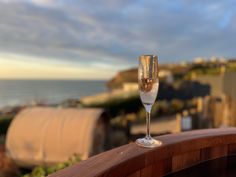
[{"x": 177, "y": 152}]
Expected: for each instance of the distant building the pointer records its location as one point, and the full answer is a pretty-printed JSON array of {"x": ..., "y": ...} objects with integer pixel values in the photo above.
[
  {"x": 230, "y": 98},
  {"x": 199, "y": 60},
  {"x": 214, "y": 81},
  {"x": 220, "y": 108},
  {"x": 166, "y": 75},
  {"x": 230, "y": 85},
  {"x": 130, "y": 86}
]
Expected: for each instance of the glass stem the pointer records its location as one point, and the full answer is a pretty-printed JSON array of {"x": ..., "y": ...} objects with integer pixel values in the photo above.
[{"x": 148, "y": 115}]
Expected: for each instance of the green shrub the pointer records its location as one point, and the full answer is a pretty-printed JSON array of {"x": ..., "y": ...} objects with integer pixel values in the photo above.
[
  {"x": 177, "y": 105},
  {"x": 38, "y": 172},
  {"x": 115, "y": 106},
  {"x": 205, "y": 70},
  {"x": 41, "y": 171}
]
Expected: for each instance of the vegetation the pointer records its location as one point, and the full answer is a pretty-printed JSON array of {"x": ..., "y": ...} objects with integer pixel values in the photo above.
[
  {"x": 210, "y": 69},
  {"x": 41, "y": 171},
  {"x": 159, "y": 109},
  {"x": 4, "y": 124},
  {"x": 231, "y": 67},
  {"x": 165, "y": 108},
  {"x": 118, "y": 106}
]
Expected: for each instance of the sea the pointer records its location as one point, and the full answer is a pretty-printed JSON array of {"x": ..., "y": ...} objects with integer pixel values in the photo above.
[{"x": 21, "y": 92}]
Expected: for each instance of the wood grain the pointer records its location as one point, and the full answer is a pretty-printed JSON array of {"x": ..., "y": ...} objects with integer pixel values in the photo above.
[
  {"x": 178, "y": 151},
  {"x": 232, "y": 149},
  {"x": 156, "y": 170},
  {"x": 214, "y": 152},
  {"x": 185, "y": 160},
  {"x": 135, "y": 174}
]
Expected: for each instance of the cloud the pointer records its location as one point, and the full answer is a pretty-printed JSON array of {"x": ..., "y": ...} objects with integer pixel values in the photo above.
[
  {"x": 23, "y": 67},
  {"x": 117, "y": 32},
  {"x": 38, "y": 2},
  {"x": 44, "y": 1}
]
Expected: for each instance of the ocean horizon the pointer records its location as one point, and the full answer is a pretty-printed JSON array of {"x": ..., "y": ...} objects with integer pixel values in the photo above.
[{"x": 24, "y": 91}]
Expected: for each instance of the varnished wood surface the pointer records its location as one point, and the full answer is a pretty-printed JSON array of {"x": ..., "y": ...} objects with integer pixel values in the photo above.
[
  {"x": 220, "y": 167},
  {"x": 177, "y": 152}
]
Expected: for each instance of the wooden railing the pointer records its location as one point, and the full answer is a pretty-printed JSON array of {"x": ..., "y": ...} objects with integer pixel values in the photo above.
[{"x": 178, "y": 151}]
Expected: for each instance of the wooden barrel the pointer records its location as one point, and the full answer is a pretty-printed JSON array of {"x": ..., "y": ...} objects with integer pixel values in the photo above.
[{"x": 178, "y": 151}]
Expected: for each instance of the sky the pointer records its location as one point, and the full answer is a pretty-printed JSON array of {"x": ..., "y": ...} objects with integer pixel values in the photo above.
[{"x": 93, "y": 39}]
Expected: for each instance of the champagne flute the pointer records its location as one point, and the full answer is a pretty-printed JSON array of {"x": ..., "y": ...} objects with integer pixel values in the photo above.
[{"x": 148, "y": 87}]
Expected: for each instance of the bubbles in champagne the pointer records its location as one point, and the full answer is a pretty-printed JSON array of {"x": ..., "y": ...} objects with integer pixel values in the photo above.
[{"x": 148, "y": 96}]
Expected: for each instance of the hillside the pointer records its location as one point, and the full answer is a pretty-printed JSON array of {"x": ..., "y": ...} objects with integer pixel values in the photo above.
[
  {"x": 131, "y": 75},
  {"x": 178, "y": 71}
]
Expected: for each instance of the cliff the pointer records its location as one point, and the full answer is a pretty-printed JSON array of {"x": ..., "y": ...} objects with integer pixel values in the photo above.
[{"x": 130, "y": 75}]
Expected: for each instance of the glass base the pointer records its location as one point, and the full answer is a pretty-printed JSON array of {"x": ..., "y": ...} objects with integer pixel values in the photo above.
[{"x": 148, "y": 142}]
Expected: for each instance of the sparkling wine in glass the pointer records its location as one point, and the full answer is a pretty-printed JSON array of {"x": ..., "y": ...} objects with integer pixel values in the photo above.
[{"x": 148, "y": 88}]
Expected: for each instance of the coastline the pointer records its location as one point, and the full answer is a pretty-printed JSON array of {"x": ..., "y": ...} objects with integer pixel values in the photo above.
[{"x": 14, "y": 93}]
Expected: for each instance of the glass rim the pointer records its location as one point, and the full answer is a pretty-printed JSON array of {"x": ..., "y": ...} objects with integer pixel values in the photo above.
[{"x": 148, "y": 56}]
